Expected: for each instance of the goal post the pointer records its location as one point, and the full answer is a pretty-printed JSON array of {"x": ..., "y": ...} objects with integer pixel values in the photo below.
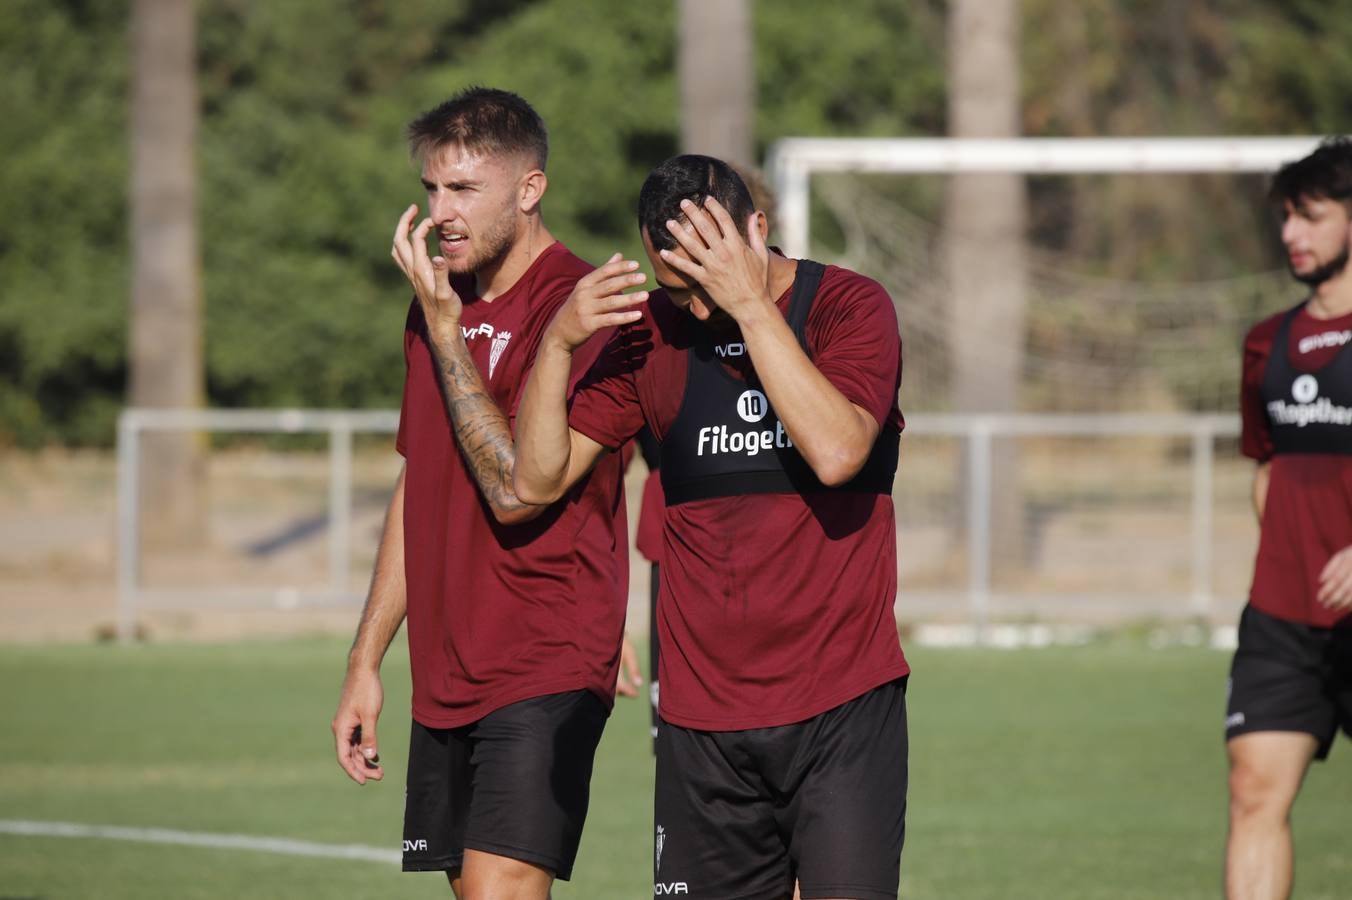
[
  {"x": 1029, "y": 508},
  {"x": 792, "y": 161}
]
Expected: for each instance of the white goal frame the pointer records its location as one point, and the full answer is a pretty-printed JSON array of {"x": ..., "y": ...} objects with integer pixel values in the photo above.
[{"x": 793, "y": 161}]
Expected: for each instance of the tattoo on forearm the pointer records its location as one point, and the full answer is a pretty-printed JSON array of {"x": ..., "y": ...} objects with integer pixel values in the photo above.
[{"x": 481, "y": 430}]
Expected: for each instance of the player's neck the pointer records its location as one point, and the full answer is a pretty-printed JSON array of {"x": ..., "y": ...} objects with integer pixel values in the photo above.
[
  {"x": 781, "y": 274},
  {"x": 1332, "y": 299},
  {"x": 496, "y": 279}
]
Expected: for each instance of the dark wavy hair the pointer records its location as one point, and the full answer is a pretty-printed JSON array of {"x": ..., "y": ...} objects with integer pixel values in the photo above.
[
  {"x": 1326, "y": 174},
  {"x": 484, "y": 120},
  {"x": 689, "y": 177}
]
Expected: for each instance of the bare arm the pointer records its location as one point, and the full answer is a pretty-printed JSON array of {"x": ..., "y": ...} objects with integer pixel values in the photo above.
[
  {"x": 481, "y": 429},
  {"x": 550, "y": 456},
  {"x": 354, "y": 723},
  {"x": 1260, "y": 488},
  {"x": 833, "y": 435}
]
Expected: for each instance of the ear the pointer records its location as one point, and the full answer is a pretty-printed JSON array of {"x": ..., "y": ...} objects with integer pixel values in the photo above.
[
  {"x": 762, "y": 224},
  {"x": 532, "y": 191}
]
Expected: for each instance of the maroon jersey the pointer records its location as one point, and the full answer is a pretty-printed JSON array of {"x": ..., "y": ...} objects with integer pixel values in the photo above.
[
  {"x": 774, "y": 606},
  {"x": 1296, "y": 407},
  {"x": 501, "y": 613},
  {"x": 651, "y": 514}
]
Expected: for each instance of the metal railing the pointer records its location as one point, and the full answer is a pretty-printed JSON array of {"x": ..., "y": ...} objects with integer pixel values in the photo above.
[
  {"x": 978, "y": 431},
  {"x": 340, "y": 425}
]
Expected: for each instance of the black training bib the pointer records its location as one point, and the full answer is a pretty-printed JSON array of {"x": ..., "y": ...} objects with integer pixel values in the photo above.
[
  {"x": 1308, "y": 412},
  {"x": 727, "y": 441}
]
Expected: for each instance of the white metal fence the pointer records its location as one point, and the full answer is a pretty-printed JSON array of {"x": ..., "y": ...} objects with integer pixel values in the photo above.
[{"x": 978, "y": 435}]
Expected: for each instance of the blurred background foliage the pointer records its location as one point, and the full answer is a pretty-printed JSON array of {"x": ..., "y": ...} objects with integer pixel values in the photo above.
[{"x": 303, "y": 168}]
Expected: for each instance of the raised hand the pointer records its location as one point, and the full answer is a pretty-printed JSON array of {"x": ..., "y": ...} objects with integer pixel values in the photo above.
[
  {"x": 599, "y": 302},
  {"x": 429, "y": 276},
  {"x": 731, "y": 264}
]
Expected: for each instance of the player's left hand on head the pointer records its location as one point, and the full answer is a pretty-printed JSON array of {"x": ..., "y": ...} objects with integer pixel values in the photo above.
[
  {"x": 1335, "y": 581},
  {"x": 730, "y": 263},
  {"x": 628, "y": 680},
  {"x": 430, "y": 277}
]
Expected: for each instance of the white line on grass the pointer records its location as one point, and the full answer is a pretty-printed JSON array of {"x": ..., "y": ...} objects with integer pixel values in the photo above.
[{"x": 285, "y": 846}]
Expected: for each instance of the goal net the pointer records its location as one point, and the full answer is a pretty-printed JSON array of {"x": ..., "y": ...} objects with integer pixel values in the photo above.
[{"x": 1142, "y": 264}]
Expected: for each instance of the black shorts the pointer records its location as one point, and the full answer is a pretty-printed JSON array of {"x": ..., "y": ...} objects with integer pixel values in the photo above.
[
  {"x": 1290, "y": 677},
  {"x": 741, "y": 814},
  {"x": 515, "y": 783}
]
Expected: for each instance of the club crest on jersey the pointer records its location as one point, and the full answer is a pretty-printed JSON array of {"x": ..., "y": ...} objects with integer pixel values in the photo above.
[{"x": 495, "y": 352}]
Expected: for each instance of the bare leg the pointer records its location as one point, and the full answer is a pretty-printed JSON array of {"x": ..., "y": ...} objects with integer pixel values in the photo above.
[
  {"x": 487, "y": 876},
  {"x": 1266, "y": 770}
]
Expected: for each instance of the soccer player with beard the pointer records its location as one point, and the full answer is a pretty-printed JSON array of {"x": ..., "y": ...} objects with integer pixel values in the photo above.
[
  {"x": 772, "y": 385},
  {"x": 1291, "y": 679},
  {"x": 515, "y": 610}
]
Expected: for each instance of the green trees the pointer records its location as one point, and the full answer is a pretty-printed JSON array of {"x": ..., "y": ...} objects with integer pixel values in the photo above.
[{"x": 303, "y": 169}]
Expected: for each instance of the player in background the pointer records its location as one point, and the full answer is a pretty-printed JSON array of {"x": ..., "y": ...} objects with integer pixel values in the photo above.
[{"x": 1291, "y": 678}]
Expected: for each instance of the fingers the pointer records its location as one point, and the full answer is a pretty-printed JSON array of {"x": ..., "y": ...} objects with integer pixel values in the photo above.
[
  {"x": 346, "y": 732},
  {"x": 370, "y": 751},
  {"x": 720, "y": 216},
  {"x": 615, "y": 267},
  {"x": 356, "y": 747},
  {"x": 405, "y": 221},
  {"x": 703, "y": 220},
  {"x": 399, "y": 248},
  {"x": 687, "y": 238},
  {"x": 618, "y": 310},
  {"x": 616, "y": 284},
  {"x": 1335, "y": 582},
  {"x": 418, "y": 248},
  {"x": 603, "y": 289}
]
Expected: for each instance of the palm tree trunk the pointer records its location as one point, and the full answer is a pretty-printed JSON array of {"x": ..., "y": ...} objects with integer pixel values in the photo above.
[
  {"x": 985, "y": 220},
  {"x": 716, "y": 68},
  {"x": 166, "y": 331}
]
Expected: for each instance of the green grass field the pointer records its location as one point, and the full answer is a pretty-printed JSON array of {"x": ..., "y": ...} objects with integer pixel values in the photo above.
[{"x": 1093, "y": 772}]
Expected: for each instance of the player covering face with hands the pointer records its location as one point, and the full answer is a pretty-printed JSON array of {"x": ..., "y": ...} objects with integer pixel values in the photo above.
[{"x": 772, "y": 385}]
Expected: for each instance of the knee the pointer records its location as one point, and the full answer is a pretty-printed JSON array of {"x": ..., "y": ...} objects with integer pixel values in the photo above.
[{"x": 1258, "y": 794}]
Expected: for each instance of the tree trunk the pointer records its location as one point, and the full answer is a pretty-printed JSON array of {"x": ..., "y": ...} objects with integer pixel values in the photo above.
[
  {"x": 716, "y": 65},
  {"x": 985, "y": 220},
  {"x": 166, "y": 332}
]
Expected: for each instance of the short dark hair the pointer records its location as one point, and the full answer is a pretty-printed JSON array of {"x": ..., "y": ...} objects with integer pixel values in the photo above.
[
  {"x": 484, "y": 120},
  {"x": 1326, "y": 174},
  {"x": 689, "y": 177}
]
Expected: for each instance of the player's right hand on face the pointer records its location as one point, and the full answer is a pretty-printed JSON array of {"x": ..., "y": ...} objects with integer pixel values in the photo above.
[
  {"x": 354, "y": 726},
  {"x": 430, "y": 277},
  {"x": 599, "y": 302}
]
